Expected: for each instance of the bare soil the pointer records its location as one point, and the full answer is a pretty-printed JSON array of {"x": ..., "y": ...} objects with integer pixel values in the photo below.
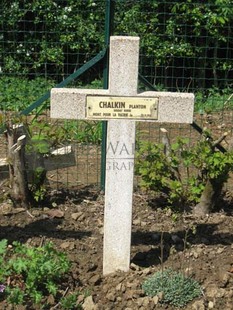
[
  {"x": 72, "y": 218},
  {"x": 73, "y": 221}
]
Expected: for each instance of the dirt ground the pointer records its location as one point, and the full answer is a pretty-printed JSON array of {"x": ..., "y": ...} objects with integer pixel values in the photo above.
[
  {"x": 72, "y": 218},
  {"x": 73, "y": 221}
]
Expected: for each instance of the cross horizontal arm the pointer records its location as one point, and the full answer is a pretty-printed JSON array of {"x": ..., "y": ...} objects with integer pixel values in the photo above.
[
  {"x": 173, "y": 107},
  {"x": 69, "y": 103}
]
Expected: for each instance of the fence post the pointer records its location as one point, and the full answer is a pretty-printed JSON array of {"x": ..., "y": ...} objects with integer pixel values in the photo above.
[{"x": 109, "y": 23}]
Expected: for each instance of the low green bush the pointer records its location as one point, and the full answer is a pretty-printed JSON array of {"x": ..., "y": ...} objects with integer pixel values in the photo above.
[
  {"x": 183, "y": 173},
  {"x": 176, "y": 289},
  {"x": 29, "y": 274}
]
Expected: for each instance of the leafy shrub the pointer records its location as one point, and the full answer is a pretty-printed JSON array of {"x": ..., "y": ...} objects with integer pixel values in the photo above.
[
  {"x": 183, "y": 174},
  {"x": 28, "y": 274},
  {"x": 161, "y": 173},
  {"x": 177, "y": 289}
]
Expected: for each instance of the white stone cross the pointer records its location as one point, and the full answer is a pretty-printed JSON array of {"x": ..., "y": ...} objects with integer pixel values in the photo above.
[{"x": 121, "y": 105}]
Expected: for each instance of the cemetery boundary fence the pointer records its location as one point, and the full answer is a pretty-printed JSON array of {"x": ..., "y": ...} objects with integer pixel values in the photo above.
[{"x": 184, "y": 46}]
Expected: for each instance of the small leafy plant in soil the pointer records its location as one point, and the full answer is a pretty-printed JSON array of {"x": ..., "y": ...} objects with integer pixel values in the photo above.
[
  {"x": 176, "y": 289},
  {"x": 29, "y": 274},
  {"x": 187, "y": 175},
  {"x": 70, "y": 302}
]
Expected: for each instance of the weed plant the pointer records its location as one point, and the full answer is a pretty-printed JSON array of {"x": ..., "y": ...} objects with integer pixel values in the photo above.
[
  {"x": 176, "y": 289},
  {"x": 82, "y": 131},
  {"x": 28, "y": 274},
  {"x": 69, "y": 302}
]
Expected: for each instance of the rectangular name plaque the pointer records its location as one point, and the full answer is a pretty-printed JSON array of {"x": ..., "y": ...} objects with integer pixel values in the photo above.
[{"x": 115, "y": 107}]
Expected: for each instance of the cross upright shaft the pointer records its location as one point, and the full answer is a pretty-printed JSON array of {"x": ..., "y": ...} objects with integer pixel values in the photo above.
[{"x": 123, "y": 81}]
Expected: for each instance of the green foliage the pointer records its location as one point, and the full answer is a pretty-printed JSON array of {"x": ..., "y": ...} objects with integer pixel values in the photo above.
[
  {"x": 39, "y": 143},
  {"x": 182, "y": 174},
  {"x": 214, "y": 165},
  {"x": 177, "y": 289},
  {"x": 3, "y": 250},
  {"x": 152, "y": 166},
  {"x": 18, "y": 93},
  {"x": 54, "y": 33},
  {"x": 46, "y": 136},
  {"x": 3, "y": 247},
  {"x": 95, "y": 84},
  {"x": 38, "y": 146},
  {"x": 70, "y": 302},
  {"x": 83, "y": 131},
  {"x": 176, "y": 32},
  {"x": 213, "y": 100},
  {"x": 49, "y": 37},
  {"x": 31, "y": 273},
  {"x": 15, "y": 296},
  {"x": 38, "y": 188},
  {"x": 162, "y": 174}
]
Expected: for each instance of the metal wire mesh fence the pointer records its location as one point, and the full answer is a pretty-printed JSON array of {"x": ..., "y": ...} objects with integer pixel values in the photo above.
[{"x": 184, "y": 46}]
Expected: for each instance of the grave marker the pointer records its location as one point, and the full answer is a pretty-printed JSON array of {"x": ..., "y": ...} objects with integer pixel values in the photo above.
[{"x": 121, "y": 105}]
